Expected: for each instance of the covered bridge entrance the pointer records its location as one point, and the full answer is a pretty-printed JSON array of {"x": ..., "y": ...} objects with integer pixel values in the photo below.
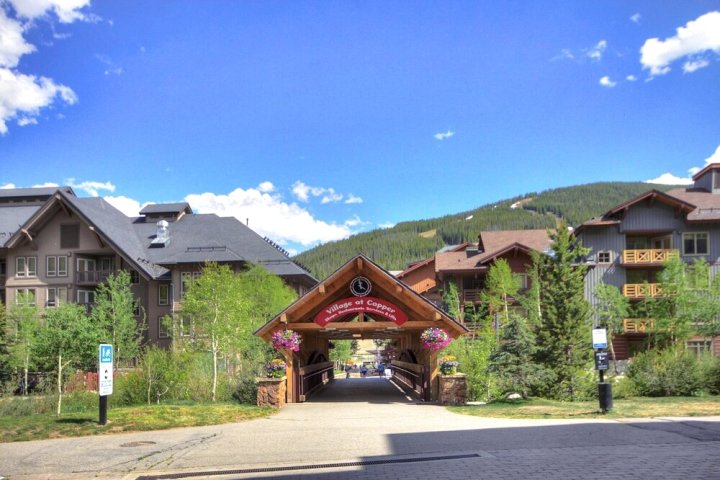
[{"x": 361, "y": 301}]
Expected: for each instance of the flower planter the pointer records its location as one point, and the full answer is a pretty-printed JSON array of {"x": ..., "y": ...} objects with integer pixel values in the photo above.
[
  {"x": 271, "y": 392},
  {"x": 453, "y": 389}
]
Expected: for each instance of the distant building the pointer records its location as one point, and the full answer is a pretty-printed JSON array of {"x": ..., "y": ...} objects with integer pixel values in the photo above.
[
  {"x": 467, "y": 264},
  {"x": 58, "y": 248},
  {"x": 631, "y": 242}
]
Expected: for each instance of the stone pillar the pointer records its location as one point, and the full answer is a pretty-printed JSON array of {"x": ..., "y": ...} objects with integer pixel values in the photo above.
[
  {"x": 271, "y": 392},
  {"x": 453, "y": 389}
]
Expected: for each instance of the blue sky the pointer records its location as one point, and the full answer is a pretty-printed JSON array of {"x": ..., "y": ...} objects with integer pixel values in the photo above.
[{"x": 316, "y": 120}]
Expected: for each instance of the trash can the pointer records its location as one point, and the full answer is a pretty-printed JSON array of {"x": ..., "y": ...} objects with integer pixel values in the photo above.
[{"x": 605, "y": 396}]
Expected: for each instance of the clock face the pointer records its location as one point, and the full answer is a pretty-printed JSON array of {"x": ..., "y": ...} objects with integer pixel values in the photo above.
[{"x": 360, "y": 286}]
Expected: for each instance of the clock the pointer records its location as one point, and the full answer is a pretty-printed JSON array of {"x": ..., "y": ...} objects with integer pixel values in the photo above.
[{"x": 360, "y": 286}]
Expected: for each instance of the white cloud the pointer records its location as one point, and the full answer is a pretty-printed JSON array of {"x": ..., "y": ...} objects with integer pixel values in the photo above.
[
  {"x": 565, "y": 54},
  {"x": 353, "y": 199},
  {"x": 636, "y": 18},
  {"x": 126, "y": 205},
  {"x": 696, "y": 37},
  {"x": 444, "y": 136},
  {"x": 670, "y": 179},
  {"x": 8, "y": 185},
  {"x": 606, "y": 82},
  {"x": 266, "y": 187},
  {"x": 386, "y": 225},
  {"x": 303, "y": 192},
  {"x": 22, "y": 96},
  {"x": 12, "y": 44},
  {"x": 596, "y": 53},
  {"x": 714, "y": 158},
  {"x": 90, "y": 187},
  {"x": 45, "y": 185},
  {"x": 693, "y": 65},
  {"x": 110, "y": 67},
  {"x": 270, "y": 216},
  {"x": 67, "y": 11},
  {"x": 631, "y": 78}
]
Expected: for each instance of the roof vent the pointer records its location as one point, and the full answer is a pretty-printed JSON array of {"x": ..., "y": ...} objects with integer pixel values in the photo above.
[{"x": 162, "y": 238}]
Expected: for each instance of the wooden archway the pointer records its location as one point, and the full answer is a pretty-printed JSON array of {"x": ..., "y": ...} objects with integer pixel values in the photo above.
[{"x": 361, "y": 300}]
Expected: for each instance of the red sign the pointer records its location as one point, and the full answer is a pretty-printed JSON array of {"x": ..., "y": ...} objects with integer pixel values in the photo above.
[{"x": 350, "y": 305}]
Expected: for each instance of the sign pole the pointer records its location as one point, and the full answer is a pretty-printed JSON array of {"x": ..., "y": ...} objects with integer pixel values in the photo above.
[
  {"x": 105, "y": 379},
  {"x": 600, "y": 343}
]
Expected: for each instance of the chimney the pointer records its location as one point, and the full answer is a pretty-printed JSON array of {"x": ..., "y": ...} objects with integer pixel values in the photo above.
[{"x": 162, "y": 237}]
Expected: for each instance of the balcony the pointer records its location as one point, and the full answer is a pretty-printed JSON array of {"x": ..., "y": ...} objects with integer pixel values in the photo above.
[
  {"x": 91, "y": 277},
  {"x": 471, "y": 296},
  {"x": 648, "y": 256},
  {"x": 637, "y": 325},
  {"x": 642, "y": 290}
]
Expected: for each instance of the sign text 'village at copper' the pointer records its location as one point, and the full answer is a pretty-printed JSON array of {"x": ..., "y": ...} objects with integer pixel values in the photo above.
[{"x": 354, "y": 305}]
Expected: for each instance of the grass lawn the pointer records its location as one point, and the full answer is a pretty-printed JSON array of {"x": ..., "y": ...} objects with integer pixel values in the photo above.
[
  {"x": 640, "y": 407},
  {"x": 125, "y": 419}
]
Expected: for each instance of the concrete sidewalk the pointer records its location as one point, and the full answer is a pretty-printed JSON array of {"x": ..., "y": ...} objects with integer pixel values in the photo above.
[{"x": 372, "y": 428}]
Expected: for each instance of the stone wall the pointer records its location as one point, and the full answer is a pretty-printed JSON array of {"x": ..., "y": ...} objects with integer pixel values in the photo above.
[
  {"x": 271, "y": 392},
  {"x": 453, "y": 389}
]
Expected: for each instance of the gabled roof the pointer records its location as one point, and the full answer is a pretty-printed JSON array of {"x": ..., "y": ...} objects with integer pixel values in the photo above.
[
  {"x": 31, "y": 194},
  {"x": 707, "y": 204},
  {"x": 615, "y": 214},
  {"x": 491, "y": 245},
  {"x": 166, "y": 208},
  {"x": 384, "y": 286},
  {"x": 706, "y": 169},
  {"x": 417, "y": 265},
  {"x": 193, "y": 239}
]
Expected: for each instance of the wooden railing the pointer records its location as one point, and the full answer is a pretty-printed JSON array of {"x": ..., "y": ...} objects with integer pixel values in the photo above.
[
  {"x": 642, "y": 290},
  {"x": 649, "y": 255},
  {"x": 410, "y": 375},
  {"x": 91, "y": 277},
  {"x": 313, "y": 377},
  {"x": 471, "y": 295},
  {"x": 637, "y": 325}
]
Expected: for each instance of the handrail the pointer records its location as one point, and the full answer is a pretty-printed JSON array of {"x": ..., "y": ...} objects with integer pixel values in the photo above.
[
  {"x": 415, "y": 381},
  {"x": 312, "y": 377}
]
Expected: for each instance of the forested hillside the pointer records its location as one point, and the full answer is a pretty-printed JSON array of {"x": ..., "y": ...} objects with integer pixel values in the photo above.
[{"x": 395, "y": 247}]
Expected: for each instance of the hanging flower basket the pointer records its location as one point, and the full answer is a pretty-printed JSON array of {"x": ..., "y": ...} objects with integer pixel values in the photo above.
[
  {"x": 286, "y": 339},
  {"x": 276, "y": 368},
  {"x": 434, "y": 338}
]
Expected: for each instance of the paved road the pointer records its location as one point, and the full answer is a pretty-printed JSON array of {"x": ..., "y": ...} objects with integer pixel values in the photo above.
[{"x": 367, "y": 429}]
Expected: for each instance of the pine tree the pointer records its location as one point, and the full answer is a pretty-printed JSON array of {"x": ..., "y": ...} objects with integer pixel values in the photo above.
[{"x": 564, "y": 335}]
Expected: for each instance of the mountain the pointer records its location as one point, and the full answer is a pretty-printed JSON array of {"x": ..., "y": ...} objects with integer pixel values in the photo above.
[{"x": 393, "y": 248}]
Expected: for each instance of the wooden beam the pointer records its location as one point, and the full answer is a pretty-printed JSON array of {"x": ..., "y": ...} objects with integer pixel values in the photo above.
[
  {"x": 321, "y": 288},
  {"x": 359, "y": 263},
  {"x": 357, "y": 326},
  {"x": 283, "y": 318}
]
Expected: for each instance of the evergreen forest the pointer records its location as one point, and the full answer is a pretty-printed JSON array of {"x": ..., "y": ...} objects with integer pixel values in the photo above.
[{"x": 394, "y": 248}]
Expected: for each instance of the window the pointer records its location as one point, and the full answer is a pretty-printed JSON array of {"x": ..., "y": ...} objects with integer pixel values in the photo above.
[
  {"x": 136, "y": 310},
  {"x": 522, "y": 279},
  {"x": 186, "y": 278},
  {"x": 165, "y": 326},
  {"x": 85, "y": 297},
  {"x": 164, "y": 294},
  {"x": 25, "y": 296},
  {"x": 69, "y": 236},
  {"x": 604, "y": 257},
  {"x": 695, "y": 243},
  {"x": 26, "y": 267},
  {"x": 56, "y": 296},
  {"x": 56, "y": 266},
  {"x": 186, "y": 325},
  {"x": 106, "y": 264},
  {"x": 134, "y": 277},
  {"x": 699, "y": 347}
]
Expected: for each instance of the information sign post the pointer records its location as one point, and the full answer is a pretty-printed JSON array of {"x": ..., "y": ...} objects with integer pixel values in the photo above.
[
  {"x": 105, "y": 378},
  {"x": 599, "y": 339}
]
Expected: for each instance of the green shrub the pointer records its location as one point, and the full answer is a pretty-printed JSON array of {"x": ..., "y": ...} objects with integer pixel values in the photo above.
[
  {"x": 623, "y": 387},
  {"x": 665, "y": 373},
  {"x": 710, "y": 372},
  {"x": 130, "y": 388},
  {"x": 31, "y": 405},
  {"x": 246, "y": 391},
  {"x": 79, "y": 401}
]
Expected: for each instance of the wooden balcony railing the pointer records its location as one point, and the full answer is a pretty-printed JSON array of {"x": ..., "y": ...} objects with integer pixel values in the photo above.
[
  {"x": 637, "y": 325},
  {"x": 642, "y": 290},
  {"x": 471, "y": 296},
  {"x": 649, "y": 255},
  {"x": 91, "y": 277}
]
